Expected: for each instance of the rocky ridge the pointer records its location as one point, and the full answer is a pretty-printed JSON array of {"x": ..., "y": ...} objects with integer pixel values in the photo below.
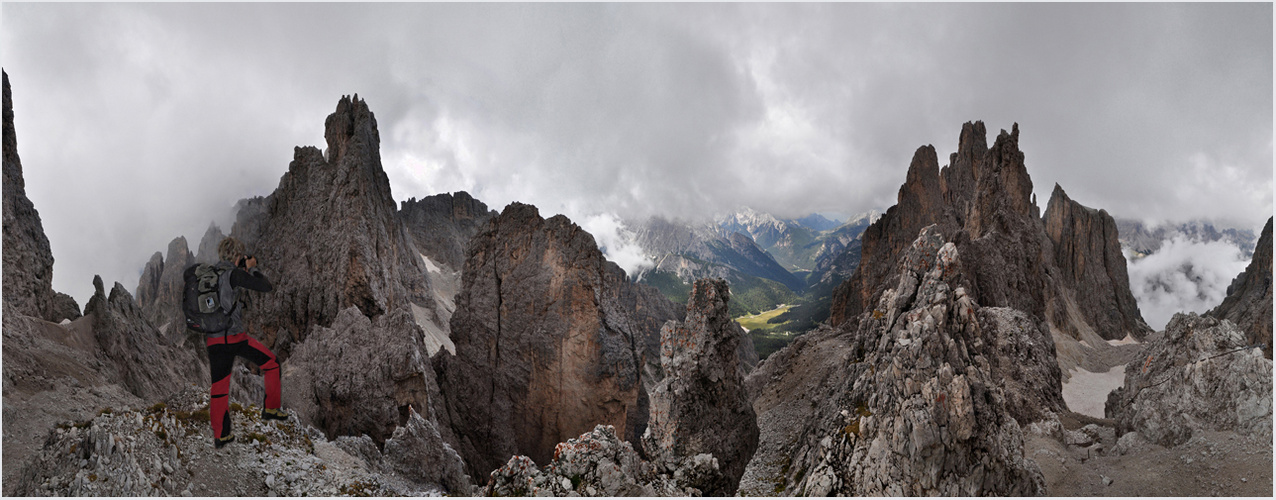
[
  {"x": 546, "y": 347},
  {"x": 164, "y": 450},
  {"x": 1249, "y": 298},
  {"x": 28, "y": 259},
  {"x": 442, "y": 225},
  {"x": 1201, "y": 375},
  {"x": 701, "y": 406},
  {"x": 684, "y": 252}
]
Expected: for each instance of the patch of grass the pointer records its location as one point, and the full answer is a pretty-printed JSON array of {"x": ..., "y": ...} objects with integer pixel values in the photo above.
[
  {"x": 759, "y": 321},
  {"x": 105, "y": 411},
  {"x": 196, "y": 417},
  {"x": 160, "y": 433},
  {"x": 257, "y": 436},
  {"x": 236, "y": 407},
  {"x": 157, "y": 407}
]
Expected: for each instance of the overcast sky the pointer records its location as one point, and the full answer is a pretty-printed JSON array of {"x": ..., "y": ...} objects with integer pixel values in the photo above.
[{"x": 139, "y": 123}]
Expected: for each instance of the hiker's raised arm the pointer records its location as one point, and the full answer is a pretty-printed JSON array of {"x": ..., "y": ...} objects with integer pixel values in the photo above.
[{"x": 253, "y": 280}]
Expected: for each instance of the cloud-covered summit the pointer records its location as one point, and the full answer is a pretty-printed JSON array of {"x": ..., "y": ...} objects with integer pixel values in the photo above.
[{"x": 1151, "y": 111}]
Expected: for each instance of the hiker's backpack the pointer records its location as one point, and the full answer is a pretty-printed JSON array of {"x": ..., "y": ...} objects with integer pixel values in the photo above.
[{"x": 207, "y": 298}]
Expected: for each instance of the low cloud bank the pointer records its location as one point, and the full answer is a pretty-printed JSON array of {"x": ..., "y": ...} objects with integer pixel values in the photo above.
[
  {"x": 1183, "y": 276},
  {"x": 617, "y": 242}
]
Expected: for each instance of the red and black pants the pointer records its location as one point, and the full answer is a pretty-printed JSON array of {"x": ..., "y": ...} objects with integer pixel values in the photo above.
[{"x": 221, "y": 361}]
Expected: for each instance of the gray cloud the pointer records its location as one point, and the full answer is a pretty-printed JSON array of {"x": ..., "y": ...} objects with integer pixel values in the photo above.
[
  {"x": 1183, "y": 276},
  {"x": 138, "y": 123}
]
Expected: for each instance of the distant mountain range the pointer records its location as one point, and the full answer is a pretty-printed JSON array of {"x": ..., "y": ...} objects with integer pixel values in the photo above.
[{"x": 1142, "y": 241}]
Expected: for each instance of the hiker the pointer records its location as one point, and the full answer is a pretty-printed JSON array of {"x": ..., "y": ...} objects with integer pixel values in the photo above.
[{"x": 239, "y": 271}]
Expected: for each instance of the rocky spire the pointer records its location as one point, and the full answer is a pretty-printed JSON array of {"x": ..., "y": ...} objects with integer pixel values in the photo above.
[
  {"x": 921, "y": 396},
  {"x": 328, "y": 237},
  {"x": 701, "y": 406}
]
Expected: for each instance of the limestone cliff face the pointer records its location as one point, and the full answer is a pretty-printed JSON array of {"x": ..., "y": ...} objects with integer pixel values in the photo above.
[
  {"x": 1067, "y": 270},
  {"x": 1249, "y": 298},
  {"x": 545, "y": 351},
  {"x": 1088, "y": 255},
  {"x": 328, "y": 237},
  {"x": 442, "y": 225},
  {"x": 701, "y": 406},
  {"x": 28, "y": 259}
]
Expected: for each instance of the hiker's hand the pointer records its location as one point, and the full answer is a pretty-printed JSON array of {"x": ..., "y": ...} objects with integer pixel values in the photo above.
[{"x": 250, "y": 262}]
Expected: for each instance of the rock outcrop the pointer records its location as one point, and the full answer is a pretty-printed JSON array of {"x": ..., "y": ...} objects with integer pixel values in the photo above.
[
  {"x": 1249, "y": 298},
  {"x": 1088, "y": 254},
  {"x": 28, "y": 259},
  {"x": 328, "y": 237},
  {"x": 1199, "y": 376},
  {"x": 545, "y": 347},
  {"x": 359, "y": 376},
  {"x": 921, "y": 404},
  {"x": 146, "y": 364},
  {"x": 417, "y": 451},
  {"x": 701, "y": 406}
]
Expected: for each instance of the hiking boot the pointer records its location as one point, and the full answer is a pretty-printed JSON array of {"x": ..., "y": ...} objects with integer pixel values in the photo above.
[
  {"x": 220, "y": 442},
  {"x": 273, "y": 414}
]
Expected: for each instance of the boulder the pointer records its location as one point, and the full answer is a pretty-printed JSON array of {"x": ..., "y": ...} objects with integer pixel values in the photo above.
[
  {"x": 1201, "y": 375},
  {"x": 359, "y": 376}
]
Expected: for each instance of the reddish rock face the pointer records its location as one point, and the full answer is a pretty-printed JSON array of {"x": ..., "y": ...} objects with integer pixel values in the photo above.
[
  {"x": 545, "y": 350},
  {"x": 1249, "y": 298}
]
